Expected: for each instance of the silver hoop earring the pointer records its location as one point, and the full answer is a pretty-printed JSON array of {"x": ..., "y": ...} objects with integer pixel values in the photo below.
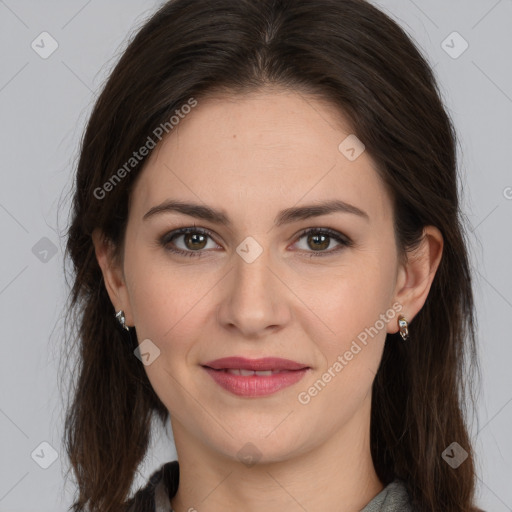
[
  {"x": 122, "y": 320},
  {"x": 404, "y": 327}
]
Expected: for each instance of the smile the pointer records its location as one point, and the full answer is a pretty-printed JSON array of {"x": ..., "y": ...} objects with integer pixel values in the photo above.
[{"x": 254, "y": 383}]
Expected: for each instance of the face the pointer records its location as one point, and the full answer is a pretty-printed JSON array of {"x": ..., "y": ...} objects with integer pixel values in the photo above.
[{"x": 251, "y": 283}]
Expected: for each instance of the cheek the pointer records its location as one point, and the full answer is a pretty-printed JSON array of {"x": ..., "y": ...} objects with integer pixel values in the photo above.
[
  {"x": 162, "y": 295},
  {"x": 166, "y": 307},
  {"x": 166, "y": 310},
  {"x": 349, "y": 301},
  {"x": 350, "y": 306}
]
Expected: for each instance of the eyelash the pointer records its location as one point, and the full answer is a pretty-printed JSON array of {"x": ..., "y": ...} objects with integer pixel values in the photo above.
[{"x": 168, "y": 237}]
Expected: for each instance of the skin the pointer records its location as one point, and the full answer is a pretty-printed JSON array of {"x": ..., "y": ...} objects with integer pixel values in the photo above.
[{"x": 252, "y": 156}]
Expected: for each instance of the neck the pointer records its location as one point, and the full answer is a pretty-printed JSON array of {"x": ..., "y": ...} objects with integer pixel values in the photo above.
[{"x": 336, "y": 476}]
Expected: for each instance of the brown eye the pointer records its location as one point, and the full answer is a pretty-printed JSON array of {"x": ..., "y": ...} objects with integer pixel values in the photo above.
[
  {"x": 318, "y": 240},
  {"x": 194, "y": 241},
  {"x": 186, "y": 241}
]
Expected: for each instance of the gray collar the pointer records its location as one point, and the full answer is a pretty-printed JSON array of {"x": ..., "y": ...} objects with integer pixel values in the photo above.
[{"x": 393, "y": 498}]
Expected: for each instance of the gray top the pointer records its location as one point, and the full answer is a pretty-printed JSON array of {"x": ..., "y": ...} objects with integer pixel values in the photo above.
[
  {"x": 393, "y": 498},
  {"x": 163, "y": 484}
]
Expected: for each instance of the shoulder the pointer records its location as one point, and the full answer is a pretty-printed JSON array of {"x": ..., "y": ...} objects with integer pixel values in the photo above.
[
  {"x": 393, "y": 498},
  {"x": 155, "y": 495}
]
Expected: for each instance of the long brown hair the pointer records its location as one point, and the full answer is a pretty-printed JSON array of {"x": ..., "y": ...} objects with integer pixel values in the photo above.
[{"x": 354, "y": 56}]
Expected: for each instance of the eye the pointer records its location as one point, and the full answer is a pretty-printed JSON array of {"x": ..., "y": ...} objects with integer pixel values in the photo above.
[
  {"x": 320, "y": 239},
  {"x": 194, "y": 241}
]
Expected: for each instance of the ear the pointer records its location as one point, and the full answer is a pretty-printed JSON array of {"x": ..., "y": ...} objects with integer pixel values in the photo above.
[
  {"x": 112, "y": 274},
  {"x": 416, "y": 275}
]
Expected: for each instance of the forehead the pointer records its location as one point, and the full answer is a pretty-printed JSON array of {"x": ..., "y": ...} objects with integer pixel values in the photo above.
[{"x": 265, "y": 150}]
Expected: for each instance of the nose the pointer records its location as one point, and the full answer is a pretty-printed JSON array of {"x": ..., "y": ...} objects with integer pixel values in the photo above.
[{"x": 254, "y": 299}]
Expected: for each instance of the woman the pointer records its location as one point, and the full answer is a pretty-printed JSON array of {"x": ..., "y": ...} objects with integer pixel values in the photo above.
[{"x": 268, "y": 253}]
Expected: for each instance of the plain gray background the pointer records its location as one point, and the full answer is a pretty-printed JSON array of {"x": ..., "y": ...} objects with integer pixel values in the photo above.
[{"x": 44, "y": 104}]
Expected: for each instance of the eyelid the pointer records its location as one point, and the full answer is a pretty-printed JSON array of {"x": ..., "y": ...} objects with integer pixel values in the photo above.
[
  {"x": 341, "y": 238},
  {"x": 175, "y": 233},
  {"x": 333, "y": 233}
]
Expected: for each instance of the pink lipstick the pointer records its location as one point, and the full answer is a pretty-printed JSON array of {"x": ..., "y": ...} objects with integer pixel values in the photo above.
[{"x": 255, "y": 377}]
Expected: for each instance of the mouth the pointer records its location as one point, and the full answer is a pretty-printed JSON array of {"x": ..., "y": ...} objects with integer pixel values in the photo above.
[
  {"x": 247, "y": 373},
  {"x": 265, "y": 364},
  {"x": 256, "y": 377}
]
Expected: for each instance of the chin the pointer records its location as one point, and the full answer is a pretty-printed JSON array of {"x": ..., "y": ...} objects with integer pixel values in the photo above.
[{"x": 253, "y": 449}]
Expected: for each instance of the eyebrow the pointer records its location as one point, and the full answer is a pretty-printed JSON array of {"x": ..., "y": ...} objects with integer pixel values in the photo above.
[{"x": 286, "y": 216}]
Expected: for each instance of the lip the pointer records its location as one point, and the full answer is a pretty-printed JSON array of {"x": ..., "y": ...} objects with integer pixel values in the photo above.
[
  {"x": 288, "y": 373},
  {"x": 265, "y": 363}
]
